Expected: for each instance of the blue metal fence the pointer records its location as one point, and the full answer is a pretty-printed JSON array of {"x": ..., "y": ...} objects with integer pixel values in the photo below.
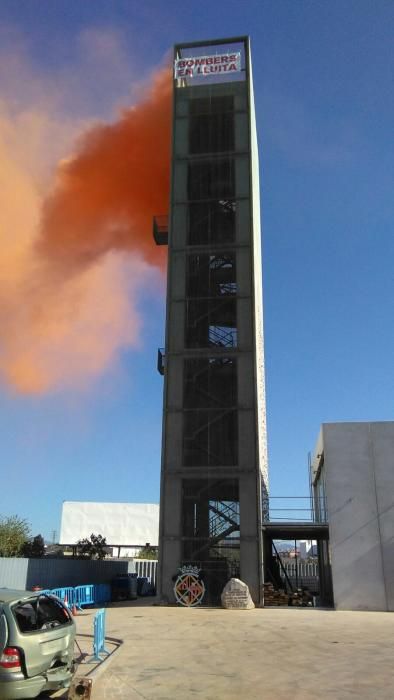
[
  {"x": 100, "y": 593},
  {"x": 66, "y": 594},
  {"x": 84, "y": 595},
  {"x": 99, "y": 635}
]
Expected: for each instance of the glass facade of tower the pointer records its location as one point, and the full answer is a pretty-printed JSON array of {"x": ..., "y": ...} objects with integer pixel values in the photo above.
[{"x": 212, "y": 467}]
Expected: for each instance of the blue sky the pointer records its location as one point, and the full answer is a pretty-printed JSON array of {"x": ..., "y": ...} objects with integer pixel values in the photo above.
[{"x": 323, "y": 80}]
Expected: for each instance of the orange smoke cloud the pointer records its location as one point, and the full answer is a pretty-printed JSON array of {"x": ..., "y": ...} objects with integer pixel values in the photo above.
[
  {"x": 104, "y": 198},
  {"x": 67, "y": 298}
]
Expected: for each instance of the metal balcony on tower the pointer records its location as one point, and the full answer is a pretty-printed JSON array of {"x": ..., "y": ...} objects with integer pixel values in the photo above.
[
  {"x": 161, "y": 360},
  {"x": 160, "y": 229}
]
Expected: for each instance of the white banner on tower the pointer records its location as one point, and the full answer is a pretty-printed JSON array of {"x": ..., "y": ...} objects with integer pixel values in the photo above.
[{"x": 190, "y": 67}]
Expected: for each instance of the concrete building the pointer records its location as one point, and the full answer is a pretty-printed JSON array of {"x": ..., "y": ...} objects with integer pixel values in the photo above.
[
  {"x": 353, "y": 482},
  {"x": 214, "y": 459}
]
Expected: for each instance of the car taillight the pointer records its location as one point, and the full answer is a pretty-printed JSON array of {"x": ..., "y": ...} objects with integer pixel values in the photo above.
[{"x": 10, "y": 658}]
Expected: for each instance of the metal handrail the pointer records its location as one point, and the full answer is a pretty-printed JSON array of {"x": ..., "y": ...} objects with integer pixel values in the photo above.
[{"x": 311, "y": 513}]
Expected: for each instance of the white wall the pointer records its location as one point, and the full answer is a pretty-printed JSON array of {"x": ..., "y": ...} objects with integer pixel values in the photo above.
[
  {"x": 359, "y": 473},
  {"x": 119, "y": 523}
]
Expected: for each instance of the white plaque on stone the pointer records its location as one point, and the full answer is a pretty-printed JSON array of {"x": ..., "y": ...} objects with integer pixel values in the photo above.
[{"x": 236, "y": 596}]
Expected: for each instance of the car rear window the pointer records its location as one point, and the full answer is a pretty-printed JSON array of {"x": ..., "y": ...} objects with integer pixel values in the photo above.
[{"x": 40, "y": 613}]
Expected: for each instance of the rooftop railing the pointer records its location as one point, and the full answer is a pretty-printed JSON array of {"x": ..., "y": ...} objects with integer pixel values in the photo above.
[{"x": 300, "y": 509}]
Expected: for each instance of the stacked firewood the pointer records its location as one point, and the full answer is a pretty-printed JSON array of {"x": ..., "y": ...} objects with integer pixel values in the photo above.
[
  {"x": 274, "y": 597},
  {"x": 300, "y": 598}
]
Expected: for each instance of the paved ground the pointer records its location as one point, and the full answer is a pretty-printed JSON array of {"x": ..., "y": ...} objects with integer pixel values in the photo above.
[{"x": 271, "y": 654}]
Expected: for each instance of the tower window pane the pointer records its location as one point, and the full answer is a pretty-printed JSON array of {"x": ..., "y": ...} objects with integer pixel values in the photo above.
[
  {"x": 211, "y": 323},
  {"x": 211, "y": 179},
  {"x": 210, "y": 438},
  {"x": 211, "y": 105},
  {"x": 212, "y": 222},
  {"x": 211, "y": 133},
  {"x": 211, "y": 275},
  {"x": 210, "y": 382}
]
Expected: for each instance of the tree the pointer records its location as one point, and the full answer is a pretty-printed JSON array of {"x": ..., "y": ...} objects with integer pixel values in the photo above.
[
  {"x": 147, "y": 552},
  {"x": 14, "y": 531},
  {"x": 34, "y": 548},
  {"x": 94, "y": 547}
]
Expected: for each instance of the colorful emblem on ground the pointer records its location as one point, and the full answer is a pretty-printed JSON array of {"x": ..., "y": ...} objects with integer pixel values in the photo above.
[{"x": 189, "y": 590}]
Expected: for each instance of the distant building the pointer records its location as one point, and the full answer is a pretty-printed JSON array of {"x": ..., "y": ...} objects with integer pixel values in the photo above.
[
  {"x": 353, "y": 482},
  {"x": 307, "y": 548},
  {"x": 293, "y": 553},
  {"x": 132, "y": 524}
]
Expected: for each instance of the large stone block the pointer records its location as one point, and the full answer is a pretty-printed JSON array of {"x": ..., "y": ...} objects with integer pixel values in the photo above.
[{"x": 236, "y": 596}]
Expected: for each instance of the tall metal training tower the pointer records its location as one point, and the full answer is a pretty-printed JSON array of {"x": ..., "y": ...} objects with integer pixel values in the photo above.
[{"x": 214, "y": 457}]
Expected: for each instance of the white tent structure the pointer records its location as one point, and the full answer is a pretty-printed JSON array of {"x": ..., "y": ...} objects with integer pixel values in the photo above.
[{"x": 132, "y": 524}]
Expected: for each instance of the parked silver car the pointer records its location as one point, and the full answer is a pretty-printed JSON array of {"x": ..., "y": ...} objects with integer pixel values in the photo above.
[{"x": 37, "y": 635}]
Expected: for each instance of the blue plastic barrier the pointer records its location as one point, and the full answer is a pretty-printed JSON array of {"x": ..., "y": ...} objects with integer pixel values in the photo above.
[
  {"x": 63, "y": 593},
  {"x": 102, "y": 593},
  {"x": 84, "y": 595},
  {"x": 99, "y": 635},
  {"x": 81, "y": 595}
]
